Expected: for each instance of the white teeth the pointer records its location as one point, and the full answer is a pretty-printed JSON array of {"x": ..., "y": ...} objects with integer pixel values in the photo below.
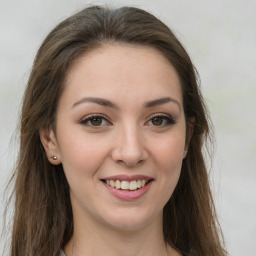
[
  {"x": 139, "y": 183},
  {"x": 118, "y": 184},
  {"x": 112, "y": 183},
  {"x": 127, "y": 185},
  {"x": 133, "y": 185}
]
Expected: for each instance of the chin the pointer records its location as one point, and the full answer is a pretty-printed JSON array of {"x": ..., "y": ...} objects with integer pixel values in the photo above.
[{"x": 130, "y": 220}]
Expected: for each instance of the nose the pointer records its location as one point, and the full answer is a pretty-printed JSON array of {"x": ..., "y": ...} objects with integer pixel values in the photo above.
[{"x": 129, "y": 146}]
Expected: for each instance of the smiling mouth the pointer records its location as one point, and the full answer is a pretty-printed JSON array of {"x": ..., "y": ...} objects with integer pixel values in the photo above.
[{"x": 127, "y": 185}]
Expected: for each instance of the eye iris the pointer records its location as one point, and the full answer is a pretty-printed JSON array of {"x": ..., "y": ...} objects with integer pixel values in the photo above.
[
  {"x": 157, "y": 120},
  {"x": 96, "y": 121}
]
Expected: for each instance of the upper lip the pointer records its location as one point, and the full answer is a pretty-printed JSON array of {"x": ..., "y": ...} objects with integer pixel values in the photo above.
[{"x": 128, "y": 177}]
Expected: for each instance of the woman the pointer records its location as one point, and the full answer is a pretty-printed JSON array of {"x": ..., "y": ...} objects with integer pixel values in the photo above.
[{"x": 112, "y": 130}]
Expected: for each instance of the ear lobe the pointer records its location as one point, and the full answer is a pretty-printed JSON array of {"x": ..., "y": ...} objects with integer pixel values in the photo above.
[
  {"x": 49, "y": 142},
  {"x": 191, "y": 125}
]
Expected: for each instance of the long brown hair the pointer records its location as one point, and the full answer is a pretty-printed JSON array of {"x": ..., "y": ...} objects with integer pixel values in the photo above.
[{"x": 43, "y": 221}]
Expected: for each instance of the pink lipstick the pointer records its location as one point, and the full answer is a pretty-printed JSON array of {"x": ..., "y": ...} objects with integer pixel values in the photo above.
[{"x": 128, "y": 187}]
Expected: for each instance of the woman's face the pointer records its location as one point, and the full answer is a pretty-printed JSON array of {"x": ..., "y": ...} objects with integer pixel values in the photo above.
[{"x": 120, "y": 135}]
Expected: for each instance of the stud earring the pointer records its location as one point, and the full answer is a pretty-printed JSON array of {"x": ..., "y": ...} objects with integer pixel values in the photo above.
[{"x": 53, "y": 157}]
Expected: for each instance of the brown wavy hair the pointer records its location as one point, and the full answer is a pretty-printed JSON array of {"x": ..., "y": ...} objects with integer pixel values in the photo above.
[{"x": 43, "y": 221}]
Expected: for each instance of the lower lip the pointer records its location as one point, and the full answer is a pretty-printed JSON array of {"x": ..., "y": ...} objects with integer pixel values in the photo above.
[{"x": 129, "y": 195}]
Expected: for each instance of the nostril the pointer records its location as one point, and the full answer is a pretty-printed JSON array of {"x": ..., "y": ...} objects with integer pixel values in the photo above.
[
  {"x": 129, "y": 163},
  {"x": 130, "y": 152}
]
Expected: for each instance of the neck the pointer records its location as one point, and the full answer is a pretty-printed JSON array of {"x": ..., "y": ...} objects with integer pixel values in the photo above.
[{"x": 99, "y": 239}]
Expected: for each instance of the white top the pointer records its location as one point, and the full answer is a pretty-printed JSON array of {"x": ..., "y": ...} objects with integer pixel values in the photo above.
[{"x": 62, "y": 253}]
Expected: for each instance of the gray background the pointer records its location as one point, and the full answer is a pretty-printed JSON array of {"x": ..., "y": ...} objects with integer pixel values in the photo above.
[{"x": 220, "y": 37}]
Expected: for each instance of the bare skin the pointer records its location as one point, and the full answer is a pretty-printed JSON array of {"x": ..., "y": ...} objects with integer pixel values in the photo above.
[
  {"x": 121, "y": 114},
  {"x": 120, "y": 243}
]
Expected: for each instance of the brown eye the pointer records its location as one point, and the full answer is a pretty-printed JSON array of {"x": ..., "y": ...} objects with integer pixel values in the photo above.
[
  {"x": 161, "y": 121},
  {"x": 157, "y": 121},
  {"x": 96, "y": 121}
]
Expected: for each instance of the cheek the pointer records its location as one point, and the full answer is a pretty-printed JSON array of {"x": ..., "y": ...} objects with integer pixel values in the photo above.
[
  {"x": 168, "y": 157},
  {"x": 171, "y": 151},
  {"x": 169, "y": 161},
  {"x": 81, "y": 155}
]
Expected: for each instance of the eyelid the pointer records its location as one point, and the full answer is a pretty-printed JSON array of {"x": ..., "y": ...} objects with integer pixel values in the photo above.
[
  {"x": 170, "y": 119},
  {"x": 87, "y": 118},
  {"x": 84, "y": 121}
]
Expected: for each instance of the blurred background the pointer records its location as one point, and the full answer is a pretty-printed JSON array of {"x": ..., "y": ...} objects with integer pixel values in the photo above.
[{"x": 220, "y": 37}]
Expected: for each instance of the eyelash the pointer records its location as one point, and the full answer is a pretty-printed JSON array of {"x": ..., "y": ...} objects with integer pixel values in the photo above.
[
  {"x": 168, "y": 120},
  {"x": 91, "y": 117}
]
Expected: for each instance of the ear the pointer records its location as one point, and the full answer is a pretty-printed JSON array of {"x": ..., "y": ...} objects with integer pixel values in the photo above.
[
  {"x": 49, "y": 142},
  {"x": 190, "y": 127}
]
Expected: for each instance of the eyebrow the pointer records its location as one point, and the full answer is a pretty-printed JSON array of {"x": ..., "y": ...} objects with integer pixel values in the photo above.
[
  {"x": 107, "y": 103},
  {"x": 161, "y": 101},
  {"x": 100, "y": 101}
]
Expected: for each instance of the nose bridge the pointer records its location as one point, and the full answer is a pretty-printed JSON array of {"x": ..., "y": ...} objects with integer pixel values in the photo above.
[{"x": 130, "y": 148}]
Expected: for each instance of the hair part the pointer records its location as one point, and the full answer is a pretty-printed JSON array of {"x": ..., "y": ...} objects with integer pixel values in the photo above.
[{"x": 43, "y": 221}]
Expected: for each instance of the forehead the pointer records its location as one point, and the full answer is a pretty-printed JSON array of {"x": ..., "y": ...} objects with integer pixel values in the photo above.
[{"x": 120, "y": 69}]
